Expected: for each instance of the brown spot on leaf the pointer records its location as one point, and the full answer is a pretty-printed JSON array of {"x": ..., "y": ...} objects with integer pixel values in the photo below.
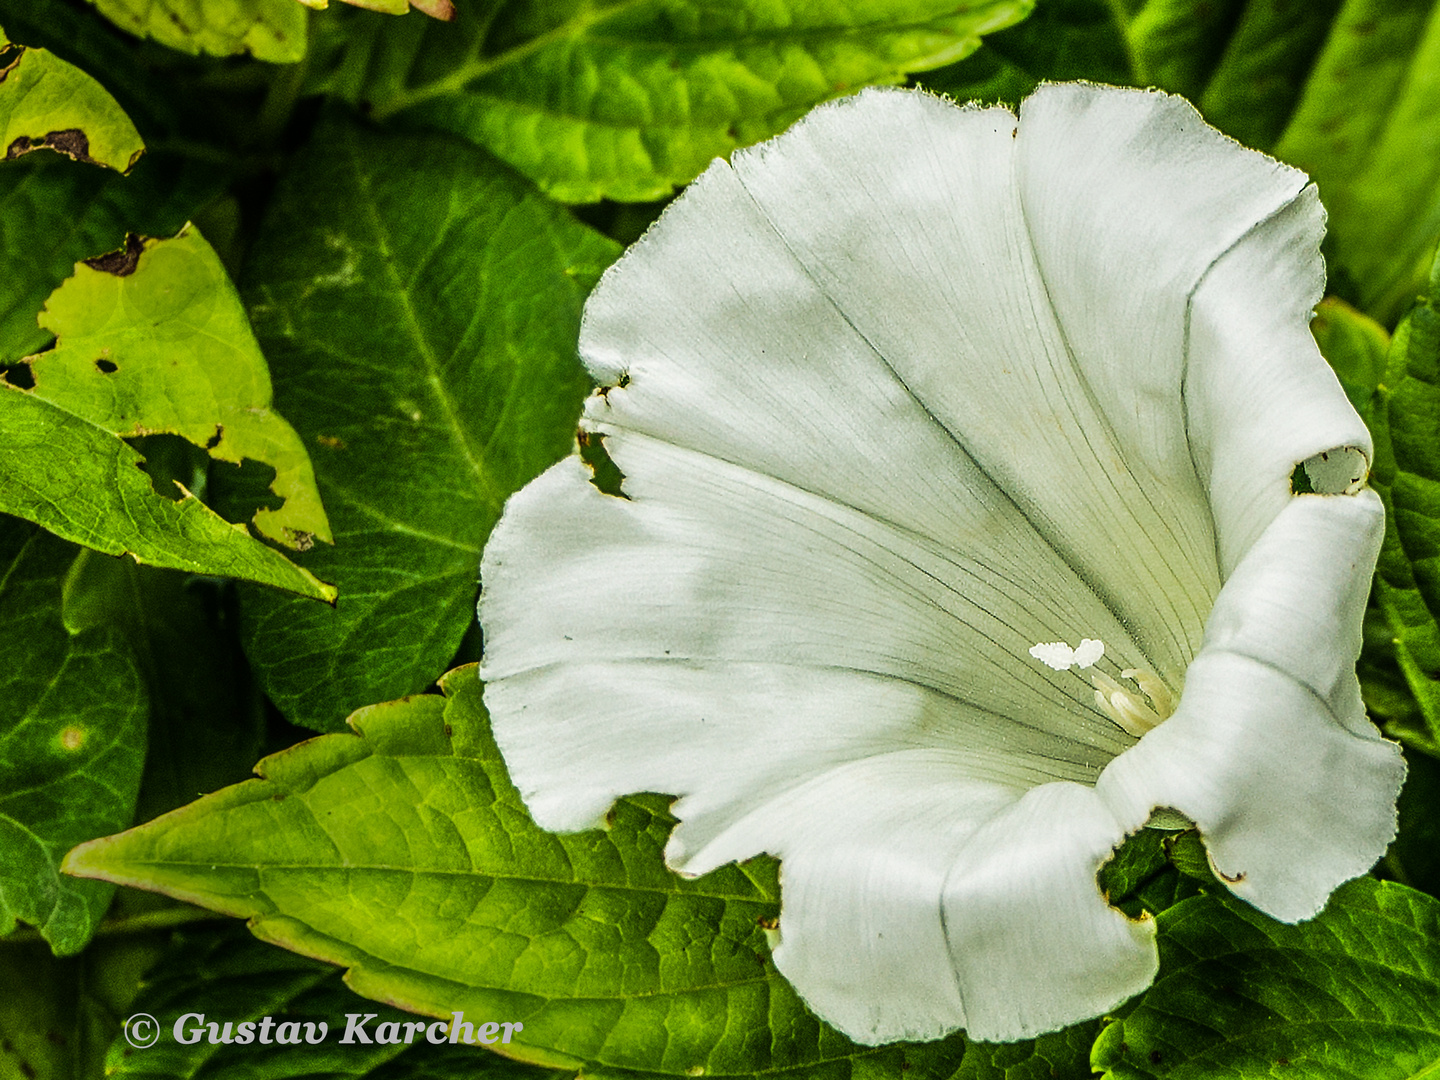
[
  {"x": 331, "y": 441},
  {"x": 300, "y": 540},
  {"x": 72, "y": 142},
  {"x": 121, "y": 263},
  {"x": 768, "y": 922},
  {"x": 72, "y": 738}
]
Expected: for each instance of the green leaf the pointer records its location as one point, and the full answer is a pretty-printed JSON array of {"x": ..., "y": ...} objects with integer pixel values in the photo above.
[
  {"x": 1367, "y": 130},
  {"x": 1405, "y": 419},
  {"x": 1355, "y": 346},
  {"x": 1354, "y": 992},
  {"x": 628, "y": 100},
  {"x": 46, "y": 103},
  {"x": 272, "y": 30},
  {"x": 406, "y": 855},
  {"x": 424, "y": 347},
  {"x": 72, "y": 741},
  {"x": 1061, "y": 1055},
  {"x": 1154, "y": 870},
  {"x": 226, "y": 975},
  {"x": 155, "y": 340}
]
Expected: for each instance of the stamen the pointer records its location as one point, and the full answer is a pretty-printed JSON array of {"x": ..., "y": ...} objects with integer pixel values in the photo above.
[
  {"x": 1129, "y": 711},
  {"x": 1126, "y": 708}
]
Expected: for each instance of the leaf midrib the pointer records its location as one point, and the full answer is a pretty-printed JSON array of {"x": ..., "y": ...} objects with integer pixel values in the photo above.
[
  {"x": 460, "y": 435},
  {"x": 409, "y": 871}
]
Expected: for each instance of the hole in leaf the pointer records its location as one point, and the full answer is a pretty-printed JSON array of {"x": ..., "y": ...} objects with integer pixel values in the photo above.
[
  {"x": 238, "y": 492},
  {"x": 1300, "y": 481},
  {"x": 18, "y": 375},
  {"x": 604, "y": 473},
  {"x": 107, "y": 367},
  {"x": 171, "y": 460}
]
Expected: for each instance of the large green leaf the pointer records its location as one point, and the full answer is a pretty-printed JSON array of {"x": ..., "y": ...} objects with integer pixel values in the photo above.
[
  {"x": 272, "y": 30},
  {"x": 154, "y": 340},
  {"x": 227, "y": 976},
  {"x": 1353, "y": 993},
  {"x": 627, "y": 100},
  {"x": 406, "y": 855},
  {"x": 419, "y": 304},
  {"x": 1404, "y": 416},
  {"x": 72, "y": 741},
  {"x": 47, "y": 103}
]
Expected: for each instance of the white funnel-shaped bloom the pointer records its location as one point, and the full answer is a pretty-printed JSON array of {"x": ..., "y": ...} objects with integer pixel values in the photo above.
[{"x": 959, "y": 537}]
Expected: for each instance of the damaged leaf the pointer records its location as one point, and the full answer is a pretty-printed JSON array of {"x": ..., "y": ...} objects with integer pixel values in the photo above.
[
  {"x": 46, "y": 103},
  {"x": 72, "y": 740},
  {"x": 153, "y": 338},
  {"x": 272, "y": 30},
  {"x": 626, "y": 100}
]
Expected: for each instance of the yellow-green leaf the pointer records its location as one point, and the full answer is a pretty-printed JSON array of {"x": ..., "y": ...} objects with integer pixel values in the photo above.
[
  {"x": 46, "y": 103},
  {"x": 272, "y": 30}
]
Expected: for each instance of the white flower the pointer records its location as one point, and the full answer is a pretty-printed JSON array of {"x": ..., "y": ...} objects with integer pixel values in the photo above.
[{"x": 954, "y": 449}]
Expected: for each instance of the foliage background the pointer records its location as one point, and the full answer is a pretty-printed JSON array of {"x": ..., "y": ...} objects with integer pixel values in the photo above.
[{"x": 395, "y": 223}]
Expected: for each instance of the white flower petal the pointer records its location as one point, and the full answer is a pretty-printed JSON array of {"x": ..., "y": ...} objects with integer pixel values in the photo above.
[
  {"x": 711, "y": 562},
  {"x": 1034, "y": 943},
  {"x": 733, "y": 736},
  {"x": 1260, "y": 397},
  {"x": 1269, "y": 752}
]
